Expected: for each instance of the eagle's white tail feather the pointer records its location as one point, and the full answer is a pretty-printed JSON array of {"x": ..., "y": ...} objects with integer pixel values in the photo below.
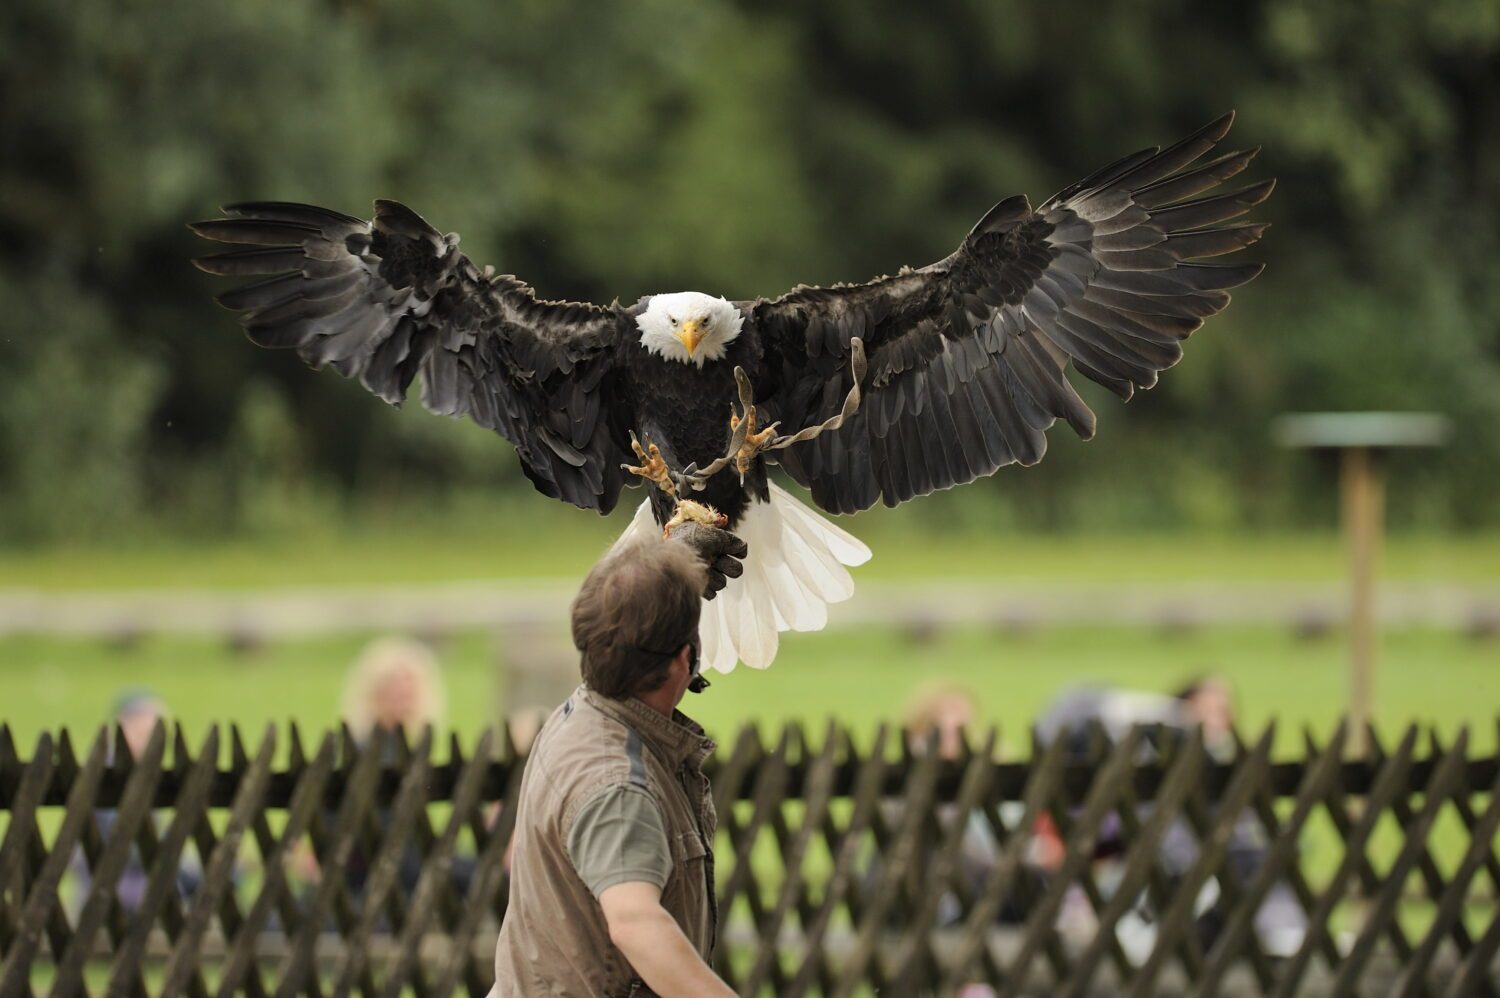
[
  {"x": 794, "y": 610},
  {"x": 756, "y": 635},
  {"x": 844, "y": 546},
  {"x": 643, "y": 524},
  {"x": 794, "y": 570},
  {"x": 713, "y": 628},
  {"x": 812, "y": 561}
]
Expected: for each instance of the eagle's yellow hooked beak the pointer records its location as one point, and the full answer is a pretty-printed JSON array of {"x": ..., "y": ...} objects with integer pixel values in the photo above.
[{"x": 690, "y": 334}]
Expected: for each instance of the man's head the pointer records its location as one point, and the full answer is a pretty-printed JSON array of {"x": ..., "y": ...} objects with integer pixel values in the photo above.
[{"x": 636, "y": 615}]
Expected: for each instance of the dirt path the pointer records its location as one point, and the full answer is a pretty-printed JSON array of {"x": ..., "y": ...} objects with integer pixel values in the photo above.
[{"x": 469, "y": 605}]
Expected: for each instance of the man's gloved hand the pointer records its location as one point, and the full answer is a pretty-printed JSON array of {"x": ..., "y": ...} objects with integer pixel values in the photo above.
[{"x": 720, "y": 550}]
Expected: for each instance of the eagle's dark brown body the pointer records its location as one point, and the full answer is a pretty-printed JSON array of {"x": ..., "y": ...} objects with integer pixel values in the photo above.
[
  {"x": 967, "y": 357},
  {"x": 669, "y": 412}
]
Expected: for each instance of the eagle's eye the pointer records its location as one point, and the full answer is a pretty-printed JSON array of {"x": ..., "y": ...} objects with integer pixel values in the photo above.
[
  {"x": 672, "y": 320},
  {"x": 708, "y": 320}
]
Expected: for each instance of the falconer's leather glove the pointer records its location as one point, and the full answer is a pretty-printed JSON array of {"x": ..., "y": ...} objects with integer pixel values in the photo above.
[{"x": 720, "y": 550}]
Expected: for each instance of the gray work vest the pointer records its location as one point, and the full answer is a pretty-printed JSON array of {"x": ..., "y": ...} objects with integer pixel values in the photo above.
[{"x": 555, "y": 940}]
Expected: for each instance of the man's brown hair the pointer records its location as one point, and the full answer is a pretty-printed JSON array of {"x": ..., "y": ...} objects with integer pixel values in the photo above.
[{"x": 637, "y": 608}]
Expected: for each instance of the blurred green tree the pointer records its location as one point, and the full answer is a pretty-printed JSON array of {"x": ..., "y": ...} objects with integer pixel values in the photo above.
[{"x": 606, "y": 151}]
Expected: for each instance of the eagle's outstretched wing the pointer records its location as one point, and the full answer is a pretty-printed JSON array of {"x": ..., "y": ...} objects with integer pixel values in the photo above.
[
  {"x": 388, "y": 299},
  {"x": 967, "y": 356}
]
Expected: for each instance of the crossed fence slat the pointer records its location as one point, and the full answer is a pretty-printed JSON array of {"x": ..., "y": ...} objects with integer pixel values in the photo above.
[
  {"x": 1159, "y": 891},
  {"x": 769, "y": 790},
  {"x": 277, "y": 852},
  {"x": 861, "y": 965},
  {"x": 1177, "y": 920},
  {"x": 869, "y": 845},
  {"x": 1083, "y": 833},
  {"x": 987, "y": 908},
  {"x": 21, "y": 831},
  {"x": 101, "y": 908},
  {"x": 182, "y": 970},
  {"x": 162, "y": 861},
  {"x": 1315, "y": 783},
  {"x": 1476, "y": 967},
  {"x": 21, "y": 842},
  {"x": 1444, "y": 782},
  {"x": 1432, "y": 877},
  {"x": 41, "y": 909},
  {"x": 1388, "y": 783},
  {"x": 913, "y": 952},
  {"x": 1142, "y": 858},
  {"x": 435, "y": 872},
  {"x": 845, "y": 849},
  {"x": 1343, "y": 817},
  {"x": 794, "y": 884},
  {"x": 1449, "y": 917}
]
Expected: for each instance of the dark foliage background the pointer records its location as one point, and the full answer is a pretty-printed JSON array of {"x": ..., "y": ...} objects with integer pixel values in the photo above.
[{"x": 611, "y": 150}]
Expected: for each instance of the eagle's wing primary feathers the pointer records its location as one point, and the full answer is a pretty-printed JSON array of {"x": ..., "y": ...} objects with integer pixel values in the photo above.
[
  {"x": 967, "y": 356},
  {"x": 392, "y": 298}
]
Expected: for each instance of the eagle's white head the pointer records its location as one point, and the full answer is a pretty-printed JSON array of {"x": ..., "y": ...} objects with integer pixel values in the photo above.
[{"x": 689, "y": 326}]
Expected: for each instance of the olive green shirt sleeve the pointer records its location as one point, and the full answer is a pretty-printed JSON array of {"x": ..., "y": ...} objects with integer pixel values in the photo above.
[{"x": 619, "y": 836}]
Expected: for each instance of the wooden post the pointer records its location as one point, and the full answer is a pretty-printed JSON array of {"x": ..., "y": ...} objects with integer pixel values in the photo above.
[
  {"x": 1363, "y": 496},
  {"x": 1359, "y": 438}
]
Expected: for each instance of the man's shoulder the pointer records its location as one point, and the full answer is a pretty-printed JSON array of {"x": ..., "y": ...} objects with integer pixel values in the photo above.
[
  {"x": 576, "y": 725},
  {"x": 581, "y": 726},
  {"x": 586, "y": 750}
]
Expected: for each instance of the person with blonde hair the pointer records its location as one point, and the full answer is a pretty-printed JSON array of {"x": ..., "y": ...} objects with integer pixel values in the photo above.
[
  {"x": 940, "y": 715},
  {"x": 395, "y": 683}
]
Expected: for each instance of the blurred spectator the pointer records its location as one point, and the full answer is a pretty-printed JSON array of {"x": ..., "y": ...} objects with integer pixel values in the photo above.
[
  {"x": 1280, "y": 923},
  {"x": 941, "y": 717},
  {"x": 944, "y": 711},
  {"x": 395, "y": 683},
  {"x": 1208, "y": 702},
  {"x": 136, "y": 711},
  {"x": 1074, "y": 716},
  {"x": 1074, "y": 713}
]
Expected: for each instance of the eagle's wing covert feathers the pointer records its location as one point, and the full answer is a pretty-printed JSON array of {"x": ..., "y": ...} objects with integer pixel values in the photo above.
[
  {"x": 967, "y": 355},
  {"x": 392, "y": 298}
]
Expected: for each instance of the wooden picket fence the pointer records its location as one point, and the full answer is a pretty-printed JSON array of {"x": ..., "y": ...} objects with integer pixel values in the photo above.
[{"x": 1140, "y": 868}]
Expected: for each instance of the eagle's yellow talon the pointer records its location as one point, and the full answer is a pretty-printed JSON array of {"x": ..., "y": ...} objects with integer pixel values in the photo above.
[
  {"x": 653, "y": 467},
  {"x": 757, "y": 439},
  {"x": 755, "y": 442}
]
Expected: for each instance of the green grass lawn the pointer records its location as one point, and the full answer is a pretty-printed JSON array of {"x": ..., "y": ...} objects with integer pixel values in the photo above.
[
  {"x": 858, "y": 677},
  {"x": 519, "y": 538}
]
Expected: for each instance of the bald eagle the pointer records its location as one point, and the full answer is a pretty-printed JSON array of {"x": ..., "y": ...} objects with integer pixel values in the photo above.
[{"x": 964, "y": 360}]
